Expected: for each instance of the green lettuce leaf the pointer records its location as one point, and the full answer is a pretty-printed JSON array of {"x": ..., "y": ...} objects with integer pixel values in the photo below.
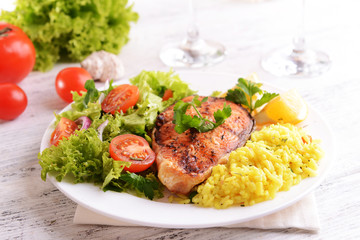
[
  {"x": 72, "y": 30},
  {"x": 93, "y": 112},
  {"x": 156, "y": 82},
  {"x": 112, "y": 170},
  {"x": 80, "y": 156},
  {"x": 152, "y": 85}
]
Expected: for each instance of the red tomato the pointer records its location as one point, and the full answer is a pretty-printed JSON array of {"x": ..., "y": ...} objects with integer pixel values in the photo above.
[
  {"x": 120, "y": 98},
  {"x": 64, "y": 129},
  {"x": 13, "y": 101},
  {"x": 134, "y": 149},
  {"x": 167, "y": 94},
  {"x": 71, "y": 79},
  {"x": 17, "y": 54}
]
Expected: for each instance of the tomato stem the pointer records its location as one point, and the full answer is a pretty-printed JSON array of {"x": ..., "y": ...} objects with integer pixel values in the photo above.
[{"x": 4, "y": 31}]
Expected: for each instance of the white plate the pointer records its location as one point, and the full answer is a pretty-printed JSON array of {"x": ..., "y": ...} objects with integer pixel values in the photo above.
[{"x": 132, "y": 209}]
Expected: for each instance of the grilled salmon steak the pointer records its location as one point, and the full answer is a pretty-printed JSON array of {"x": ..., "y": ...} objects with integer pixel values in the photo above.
[{"x": 185, "y": 160}]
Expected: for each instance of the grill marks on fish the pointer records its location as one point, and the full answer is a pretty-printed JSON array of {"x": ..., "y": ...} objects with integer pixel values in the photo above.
[{"x": 185, "y": 160}]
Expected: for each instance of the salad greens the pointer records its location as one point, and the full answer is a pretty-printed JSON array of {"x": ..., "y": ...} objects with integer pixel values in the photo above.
[
  {"x": 81, "y": 155},
  {"x": 72, "y": 30},
  {"x": 86, "y": 158},
  {"x": 151, "y": 87}
]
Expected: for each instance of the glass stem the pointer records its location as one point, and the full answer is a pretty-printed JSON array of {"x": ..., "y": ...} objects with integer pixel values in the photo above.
[
  {"x": 192, "y": 30},
  {"x": 299, "y": 39}
]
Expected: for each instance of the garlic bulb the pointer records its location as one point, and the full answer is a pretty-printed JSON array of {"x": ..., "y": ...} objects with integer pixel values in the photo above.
[{"x": 103, "y": 66}]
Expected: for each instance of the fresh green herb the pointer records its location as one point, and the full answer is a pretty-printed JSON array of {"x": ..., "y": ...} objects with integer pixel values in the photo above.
[
  {"x": 92, "y": 94},
  {"x": 117, "y": 180},
  {"x": 244, "y": 94},
  {"x": 183, "y": 121},
  {"x": 147, "y": 185},
  {"x": 72, "y": 30},
  {"x": 161, "y": 91},
  {"x": 192, "y": 195}
]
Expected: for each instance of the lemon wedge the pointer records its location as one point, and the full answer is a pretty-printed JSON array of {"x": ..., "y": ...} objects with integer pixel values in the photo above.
[{"x": 288, "y": 107}]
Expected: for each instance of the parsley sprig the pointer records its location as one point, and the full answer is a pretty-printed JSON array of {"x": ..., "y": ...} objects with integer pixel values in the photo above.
[
  {"x": 92, "y": 94},
  {"x": 150, "y": 187},
  {"x": 244, "y": 93},
  {"x": 183, "y": 121}
]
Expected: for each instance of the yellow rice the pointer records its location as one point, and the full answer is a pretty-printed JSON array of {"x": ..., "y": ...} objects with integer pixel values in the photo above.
[{"x": 276, "y": 158}]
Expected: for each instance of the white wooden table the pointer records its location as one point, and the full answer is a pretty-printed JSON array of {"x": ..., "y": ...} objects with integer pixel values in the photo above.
[{"x": 33, "y": 209}]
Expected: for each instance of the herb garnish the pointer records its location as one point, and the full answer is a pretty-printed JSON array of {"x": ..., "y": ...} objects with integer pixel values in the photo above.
[
  {"x": 244, "y": 93},
  {"x": 148, "y": 186},
  {"x": 202, "y": 124},
  {"x": 92, "y": 94}
]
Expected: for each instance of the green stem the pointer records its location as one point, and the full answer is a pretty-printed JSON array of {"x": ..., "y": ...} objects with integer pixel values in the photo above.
[
  {"x": 250, "y": 104},
  {"x": 199, "y": 114}
]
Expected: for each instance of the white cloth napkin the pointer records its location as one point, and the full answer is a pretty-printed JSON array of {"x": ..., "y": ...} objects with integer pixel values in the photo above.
[{"x": 301, "y": 215}]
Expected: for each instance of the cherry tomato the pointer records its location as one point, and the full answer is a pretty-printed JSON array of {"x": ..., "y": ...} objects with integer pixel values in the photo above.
[
  {"x": 134, "y": 149},
  {"x": 64, "y": 129},
  {"x": 17, "y": 54},
  {"x": 13, "y": 101},
  {"x": 71, "y": 79},
  {"x": 120, "y": 98},
  {"x": 167, "y": 94}
]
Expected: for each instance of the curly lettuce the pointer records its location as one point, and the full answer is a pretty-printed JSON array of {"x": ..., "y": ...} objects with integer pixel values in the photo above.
[
  {"x": 72, "y": 30},
  {"x": 152, "y": 85},
  {"x": 85, "y": 157},
  {"x": 80, "y": 156}
]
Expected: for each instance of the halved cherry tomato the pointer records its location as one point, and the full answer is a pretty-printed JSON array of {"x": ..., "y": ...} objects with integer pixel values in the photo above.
[
  {"x": 120, "y": 98},
  {"x": 64, "y": 129},
  {"x": 167, "y": 94},
  {"x": 134, "y": 149}
]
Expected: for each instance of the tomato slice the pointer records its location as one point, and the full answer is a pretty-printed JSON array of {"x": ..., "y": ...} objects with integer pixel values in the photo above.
[
  {"x": 134, "y": 149},
  {"x": 120, "y": 98},
  {"x": 167, "y": 94},
  {"x": 64, "y": 129}
]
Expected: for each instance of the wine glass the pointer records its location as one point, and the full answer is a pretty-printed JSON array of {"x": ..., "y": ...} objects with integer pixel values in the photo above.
[
  {"x": 297, "y": 60},
  {"x": 193, "y": 51}
]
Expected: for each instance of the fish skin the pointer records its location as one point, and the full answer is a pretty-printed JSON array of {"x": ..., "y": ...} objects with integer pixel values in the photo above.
[{"x": 185, "y": 160}]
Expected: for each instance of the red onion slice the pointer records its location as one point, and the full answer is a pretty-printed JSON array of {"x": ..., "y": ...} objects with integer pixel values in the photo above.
[
  {"x": 101, "y": 128},
  {"x": 84, "y": 121}
]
